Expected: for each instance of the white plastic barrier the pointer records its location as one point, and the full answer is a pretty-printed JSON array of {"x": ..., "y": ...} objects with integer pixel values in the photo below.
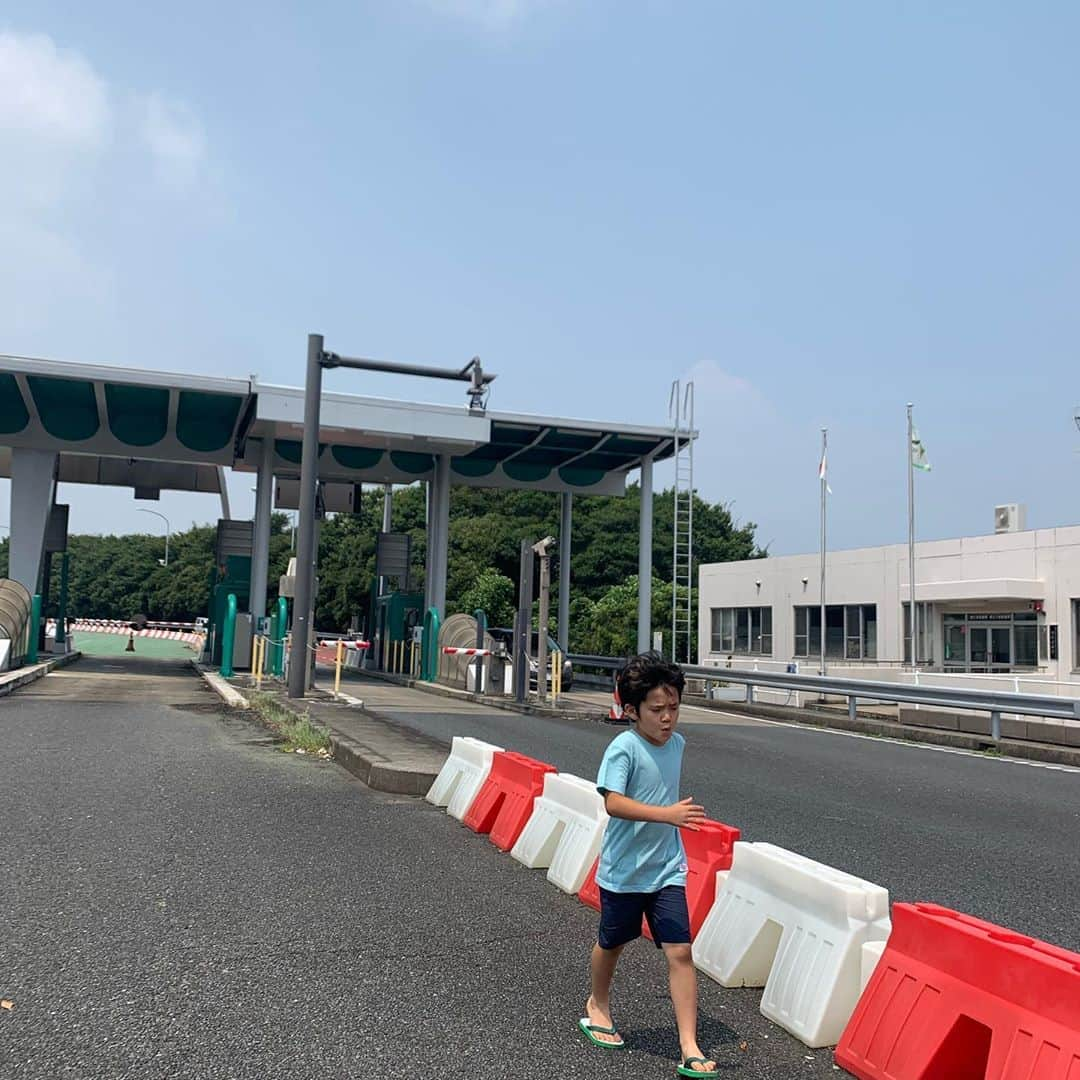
[
  {"x": 797, "y": 928},
  {"x": 462, "y": 775},
  {"x": 871, "y": 954},
  {"x": 564, "y": 831}
]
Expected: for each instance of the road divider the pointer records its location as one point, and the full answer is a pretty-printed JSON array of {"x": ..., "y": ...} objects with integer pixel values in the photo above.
[
  {"x": 564, "y": 832},
  {"x": 463, "y": 775},
  {"x": 797, "y": 928},
  {"x": 956, "y": 997},
  {"x": 504, "y": 803}
]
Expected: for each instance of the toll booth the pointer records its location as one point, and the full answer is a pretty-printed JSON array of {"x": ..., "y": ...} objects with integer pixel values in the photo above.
[
  {"x": 396, "y": 613},
  {"x": 233, "y": 550},
  {"x": 234, "y": 579}
]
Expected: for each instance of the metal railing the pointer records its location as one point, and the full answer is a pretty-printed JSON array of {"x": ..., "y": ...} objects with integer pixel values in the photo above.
[
  {"x": 612, "y": 664},
  {"x": 993, "y": 702}
]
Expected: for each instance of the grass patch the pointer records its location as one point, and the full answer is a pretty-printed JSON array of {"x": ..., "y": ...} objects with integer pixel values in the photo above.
[{"x": 293, "y": 732}]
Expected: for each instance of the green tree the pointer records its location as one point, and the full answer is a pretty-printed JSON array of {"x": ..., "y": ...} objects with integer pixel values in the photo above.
[
  {"x": 121, "y": 576},
  {"x": 494, "y": 594}
]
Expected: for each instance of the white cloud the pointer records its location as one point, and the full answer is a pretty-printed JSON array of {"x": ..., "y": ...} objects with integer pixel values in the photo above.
[
  {"x": 55, "y": 121},
  {"x": 718, "y": 392},
  {"x": 174, "y": 136},
  {"x": 50, "y": 95},
  {"x": 76, "y": 153}
]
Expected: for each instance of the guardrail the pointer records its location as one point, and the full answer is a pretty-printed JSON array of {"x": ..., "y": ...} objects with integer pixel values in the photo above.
[
  {"x": 608, "y": 663},
  {"x": 612, "y": 664},
  {"x": 993, "y": 702}
]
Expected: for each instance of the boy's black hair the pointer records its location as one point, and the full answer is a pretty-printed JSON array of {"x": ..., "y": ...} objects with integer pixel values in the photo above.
[{"x": 644, "y": 673}]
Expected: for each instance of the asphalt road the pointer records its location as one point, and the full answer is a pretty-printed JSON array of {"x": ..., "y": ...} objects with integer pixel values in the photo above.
[
  {"x": 995, "y": 838},
  {"x": 180, "y": 899}
]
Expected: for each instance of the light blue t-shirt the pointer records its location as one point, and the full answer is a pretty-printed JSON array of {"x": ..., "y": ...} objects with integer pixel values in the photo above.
[{"x": 641, "y": 856}]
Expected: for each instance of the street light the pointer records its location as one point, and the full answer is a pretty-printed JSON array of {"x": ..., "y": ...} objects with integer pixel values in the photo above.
[{"x": 143, "y": 510}]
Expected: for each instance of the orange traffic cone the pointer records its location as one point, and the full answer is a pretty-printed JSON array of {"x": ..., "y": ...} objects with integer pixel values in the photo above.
[
  {"x": 615, "y": 712},
  {"x": 131, "y": 641}
]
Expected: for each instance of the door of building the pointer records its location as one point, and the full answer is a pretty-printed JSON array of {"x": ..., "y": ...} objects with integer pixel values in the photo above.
[{"x": 989, "y": 647}]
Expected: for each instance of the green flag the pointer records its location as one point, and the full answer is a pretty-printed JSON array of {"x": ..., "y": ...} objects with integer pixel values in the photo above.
[{"x": 918, "y": 453}]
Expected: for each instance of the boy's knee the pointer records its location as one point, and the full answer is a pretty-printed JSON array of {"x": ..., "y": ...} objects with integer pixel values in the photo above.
[
  {"x": 678, "y": 954},
  {"x": 613, "y": 952}
]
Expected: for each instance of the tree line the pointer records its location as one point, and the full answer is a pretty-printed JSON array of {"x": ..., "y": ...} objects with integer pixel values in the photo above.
[{"x": 121, "y": 577}]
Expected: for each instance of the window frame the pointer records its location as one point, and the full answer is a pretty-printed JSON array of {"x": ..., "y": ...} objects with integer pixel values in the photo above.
[{"x": 741, "y": 624}]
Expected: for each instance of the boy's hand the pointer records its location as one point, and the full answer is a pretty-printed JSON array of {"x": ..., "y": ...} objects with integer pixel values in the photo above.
[{"x": 685, "y": 814}]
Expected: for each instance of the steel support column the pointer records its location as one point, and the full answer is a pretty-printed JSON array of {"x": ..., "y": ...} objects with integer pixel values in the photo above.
[
  {"x": 260, "y": 561},
  {"x": 566, "y": 524},
  {"x": 440, "y": 552},
  {"x": 33, "y": 490},
  {"x": 645, "y": 530},
  {"x": 305, "y": 540}
]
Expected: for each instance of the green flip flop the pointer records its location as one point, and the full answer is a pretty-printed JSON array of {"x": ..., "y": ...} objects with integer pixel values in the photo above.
[
  {"x": 685, "y": 1070},
  {"x": 587, "y": 1030}
]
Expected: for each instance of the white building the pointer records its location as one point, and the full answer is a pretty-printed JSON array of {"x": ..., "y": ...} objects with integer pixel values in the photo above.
[{"x": 1007, "y": 603}]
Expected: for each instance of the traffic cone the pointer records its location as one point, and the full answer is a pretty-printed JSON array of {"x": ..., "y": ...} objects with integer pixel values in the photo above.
[
  {"x": 131, "y": 641},
  {"x": 615, "y": 712}
]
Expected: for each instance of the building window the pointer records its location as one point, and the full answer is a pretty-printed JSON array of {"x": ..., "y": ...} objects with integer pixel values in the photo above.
[
  {"x": 1076, "y": 635},
  {"x": 850, "y": 631},
  {"x": 925, "y": 613},
  {"x": 744, "y": 631}
]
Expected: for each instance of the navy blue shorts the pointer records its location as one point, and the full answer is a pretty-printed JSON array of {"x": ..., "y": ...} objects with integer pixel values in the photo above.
[{"x": 665, "y": 911}]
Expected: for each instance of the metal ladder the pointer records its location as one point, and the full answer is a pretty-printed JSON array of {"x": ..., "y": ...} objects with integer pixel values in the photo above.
[{"x": 681, "y": 414}]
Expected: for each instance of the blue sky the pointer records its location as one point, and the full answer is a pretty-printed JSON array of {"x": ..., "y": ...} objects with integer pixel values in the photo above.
[{"x": 817, "y": 211}]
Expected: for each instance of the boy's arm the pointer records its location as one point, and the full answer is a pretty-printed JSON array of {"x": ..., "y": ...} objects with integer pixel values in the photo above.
[{"x": 683, "y": 815}]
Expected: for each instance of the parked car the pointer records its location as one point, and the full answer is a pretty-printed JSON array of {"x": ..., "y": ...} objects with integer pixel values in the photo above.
[{"x": 505, "y": 637}]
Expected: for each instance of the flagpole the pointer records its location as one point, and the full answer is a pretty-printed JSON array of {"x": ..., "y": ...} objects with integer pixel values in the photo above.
[
  {"x": 824, "y": 488},
  {"x": 912, "y": 617}
]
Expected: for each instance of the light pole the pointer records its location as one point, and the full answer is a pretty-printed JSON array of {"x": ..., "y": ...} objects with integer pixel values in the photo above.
[{"x": 143, "y": 510}]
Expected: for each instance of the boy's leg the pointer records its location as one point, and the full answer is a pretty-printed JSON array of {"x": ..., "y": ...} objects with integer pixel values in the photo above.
[
  {"x": 598, "y": 1007},
  {"x": 620, "y": 923},
  {"x": 682, "y": 976},
  {"x": 670, "y": 923}
]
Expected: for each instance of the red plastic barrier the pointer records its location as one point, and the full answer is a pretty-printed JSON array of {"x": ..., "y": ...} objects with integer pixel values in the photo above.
[
  {"x": 504, "y": 803},
  {"x": 708, "y": 850},
  {"x": 590, "y": 891},
  {"x": 956, "y": 998}
]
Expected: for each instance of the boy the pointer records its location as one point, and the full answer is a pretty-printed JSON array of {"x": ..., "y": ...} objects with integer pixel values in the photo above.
[{"x": 642, "y": 868}]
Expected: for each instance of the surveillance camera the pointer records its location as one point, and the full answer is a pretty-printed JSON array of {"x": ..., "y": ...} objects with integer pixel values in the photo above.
[
  {"x": 541, "y": 546},
  {"x": 805, "y": 580},
  {"x": 758, "y": 583}
]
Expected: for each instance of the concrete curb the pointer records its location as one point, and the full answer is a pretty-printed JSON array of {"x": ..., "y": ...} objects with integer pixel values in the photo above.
[
  {"x": 378, "y": 773},
  {"x": 228, "y": 694},
  {"x": 12, "y": 680},
  {"x": 372, "y": 769}
]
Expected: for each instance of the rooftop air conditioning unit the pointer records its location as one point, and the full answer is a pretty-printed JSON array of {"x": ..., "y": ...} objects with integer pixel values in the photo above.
[{"x": 1012, "y": 517}]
